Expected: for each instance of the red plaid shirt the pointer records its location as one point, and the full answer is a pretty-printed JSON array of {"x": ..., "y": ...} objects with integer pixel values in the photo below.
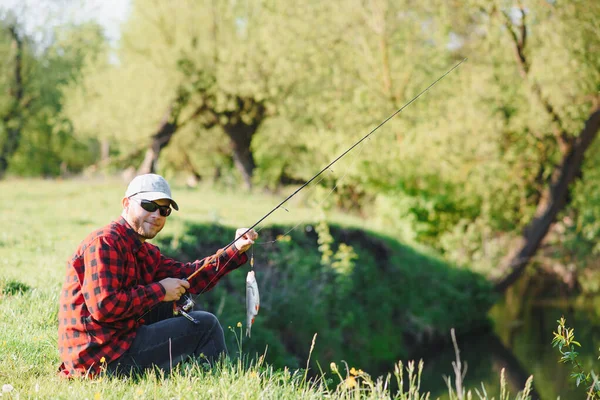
[{"x": 112, "y": 281}]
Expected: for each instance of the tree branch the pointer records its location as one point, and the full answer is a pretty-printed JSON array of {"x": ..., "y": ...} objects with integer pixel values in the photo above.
[
  {"x": 553, "y": 201},
  {"x": 519, "y": 43}
]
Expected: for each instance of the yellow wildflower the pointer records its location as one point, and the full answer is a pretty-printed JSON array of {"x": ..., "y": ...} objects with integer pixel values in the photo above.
[
  {"x": 350, "y": 382},
  {"x": 139, "y": 392},
  {"x": 239, "y": 325},
  {"x": 97, "y": 396},
  {"x": 353, "y": 371},
  {"x": 103, "y": 360},
  {"x": 333, "y": 367}
]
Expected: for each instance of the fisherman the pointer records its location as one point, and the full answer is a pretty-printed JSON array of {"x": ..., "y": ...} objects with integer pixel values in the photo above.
[{"x": 116, "y": 304}]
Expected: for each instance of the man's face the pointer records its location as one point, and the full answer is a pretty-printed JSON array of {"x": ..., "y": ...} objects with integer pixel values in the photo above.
[{"x": 146, "y": 224}]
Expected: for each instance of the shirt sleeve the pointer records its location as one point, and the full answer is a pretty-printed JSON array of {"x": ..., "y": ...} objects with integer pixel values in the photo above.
[
  {"x": 227, "y": 261},
  {"x": 102, "y": 287}
]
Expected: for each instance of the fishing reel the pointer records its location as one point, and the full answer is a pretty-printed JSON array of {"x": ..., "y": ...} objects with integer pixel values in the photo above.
[{"x": 183, "y": 305}]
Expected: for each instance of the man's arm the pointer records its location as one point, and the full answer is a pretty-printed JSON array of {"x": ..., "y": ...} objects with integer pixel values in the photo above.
[
  {"x": 227, "y": 261},
  {"x": 209, "y": 270},
  {"x": 102, "y": 287}
]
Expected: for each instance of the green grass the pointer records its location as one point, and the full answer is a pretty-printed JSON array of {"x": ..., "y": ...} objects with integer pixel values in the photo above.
[{"x": 43, "y": 222}]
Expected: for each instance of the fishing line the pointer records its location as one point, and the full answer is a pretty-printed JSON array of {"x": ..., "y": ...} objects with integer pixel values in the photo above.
[
  {"x": 215, "y": 258},
  {"x": 337, "y": 183},
  {"x": 347, "y": 151},
  {"x": 315, "y": 185}
]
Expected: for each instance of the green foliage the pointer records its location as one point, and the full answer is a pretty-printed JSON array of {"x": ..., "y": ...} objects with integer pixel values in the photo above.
[
  {"x": 47, "y": 143},
  {"x": 368, "y": 294},
  {"x": 564, "y": 340}
]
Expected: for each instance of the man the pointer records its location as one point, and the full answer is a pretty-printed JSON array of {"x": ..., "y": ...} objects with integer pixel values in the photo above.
[{"x": 116, "y": 281}]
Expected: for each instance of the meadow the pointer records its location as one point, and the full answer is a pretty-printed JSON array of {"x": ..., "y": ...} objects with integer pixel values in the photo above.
[{"x": 42, "y": 223}]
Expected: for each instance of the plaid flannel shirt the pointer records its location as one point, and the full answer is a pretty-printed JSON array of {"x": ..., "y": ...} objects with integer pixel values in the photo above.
[{"x": 111, "y": 282}]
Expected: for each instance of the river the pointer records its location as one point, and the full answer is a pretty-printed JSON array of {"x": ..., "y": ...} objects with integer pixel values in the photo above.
[{"x": 521, "y": 342}]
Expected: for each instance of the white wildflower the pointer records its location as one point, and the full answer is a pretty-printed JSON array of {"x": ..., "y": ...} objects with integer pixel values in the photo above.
[{"x": 7, "y": 388}]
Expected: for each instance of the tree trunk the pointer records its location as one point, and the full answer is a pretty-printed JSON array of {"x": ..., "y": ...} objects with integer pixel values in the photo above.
[
  {"x": 167, "y": 128},
  {"x": 160, "y": 140},
  {"x": 13, "y": 120},
  {"x": 241, "y": 138},
  {"x": 553, "y": 200},
  {"x": 555, "y": 197},
  {"x": 187, "y": 161},
  {"x": 240, "y": 132}
]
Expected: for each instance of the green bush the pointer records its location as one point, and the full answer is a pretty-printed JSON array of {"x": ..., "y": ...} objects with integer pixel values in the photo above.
[{"x": 370, "y": 309}]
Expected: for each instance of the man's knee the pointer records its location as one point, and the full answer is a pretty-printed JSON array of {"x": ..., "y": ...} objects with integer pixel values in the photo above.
[{"x": 206, "y": 320}]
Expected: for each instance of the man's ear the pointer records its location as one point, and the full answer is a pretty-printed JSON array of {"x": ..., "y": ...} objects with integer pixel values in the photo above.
[{"x": 125, "y": 202}]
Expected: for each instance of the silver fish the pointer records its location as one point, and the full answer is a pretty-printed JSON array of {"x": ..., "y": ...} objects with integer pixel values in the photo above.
[{"x": 252, "y": 300}]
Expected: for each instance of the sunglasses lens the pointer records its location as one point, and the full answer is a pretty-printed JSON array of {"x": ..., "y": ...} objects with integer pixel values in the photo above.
[{"x": 151, "y": 206}]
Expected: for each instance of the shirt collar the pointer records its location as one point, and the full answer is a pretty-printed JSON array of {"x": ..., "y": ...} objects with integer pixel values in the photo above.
[{"x": 131, "y": 235}]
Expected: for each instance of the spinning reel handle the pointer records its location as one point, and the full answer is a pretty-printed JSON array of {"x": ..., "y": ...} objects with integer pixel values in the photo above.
[{"x": 183, "y": 305}]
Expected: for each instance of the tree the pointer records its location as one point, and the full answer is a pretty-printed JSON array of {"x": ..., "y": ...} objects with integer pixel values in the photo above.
[
  {"x": 224, "y": 65},
  {"x": 536, "y": 95},
  {"x": 572, "y": 146},
  {"x": 35, "y": 136}
]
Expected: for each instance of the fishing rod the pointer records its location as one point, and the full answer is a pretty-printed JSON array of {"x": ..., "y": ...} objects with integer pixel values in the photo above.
[
  {"x": 344, "y": 153},
  {"x": 188, "y": 302}
]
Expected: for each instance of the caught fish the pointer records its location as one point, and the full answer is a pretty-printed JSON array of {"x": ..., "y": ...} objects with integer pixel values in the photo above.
[{"x": 252, "y": 301}]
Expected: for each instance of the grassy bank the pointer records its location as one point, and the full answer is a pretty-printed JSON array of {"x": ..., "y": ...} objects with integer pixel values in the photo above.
[{"x": 43, "y": 221}]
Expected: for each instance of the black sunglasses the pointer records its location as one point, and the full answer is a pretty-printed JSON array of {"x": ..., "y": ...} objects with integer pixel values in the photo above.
[{"x": 151, "y": 206}]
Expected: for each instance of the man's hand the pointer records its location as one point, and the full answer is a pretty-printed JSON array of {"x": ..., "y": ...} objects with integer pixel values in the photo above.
[
  {"x": 246, "y": 240},
  {"x": 174, "y": 288}
]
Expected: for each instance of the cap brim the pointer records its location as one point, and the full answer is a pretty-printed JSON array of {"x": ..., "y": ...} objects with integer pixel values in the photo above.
[{"x": 156, "y": 196}]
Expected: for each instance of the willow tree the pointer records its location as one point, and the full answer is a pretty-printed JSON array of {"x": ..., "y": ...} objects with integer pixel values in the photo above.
[
  {"x": 212, "y": 70},
  {"x": 553, "y": 48}
]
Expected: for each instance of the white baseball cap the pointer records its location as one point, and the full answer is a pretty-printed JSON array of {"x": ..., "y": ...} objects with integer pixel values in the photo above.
[{"x": 150, "y": 187}]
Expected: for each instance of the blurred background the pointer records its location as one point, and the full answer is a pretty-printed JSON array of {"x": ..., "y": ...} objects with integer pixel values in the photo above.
[{"x": 494, "y": 170}]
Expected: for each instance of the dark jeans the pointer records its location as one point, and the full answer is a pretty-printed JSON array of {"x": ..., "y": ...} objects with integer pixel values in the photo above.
[{"x": 165, "y": 341}]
